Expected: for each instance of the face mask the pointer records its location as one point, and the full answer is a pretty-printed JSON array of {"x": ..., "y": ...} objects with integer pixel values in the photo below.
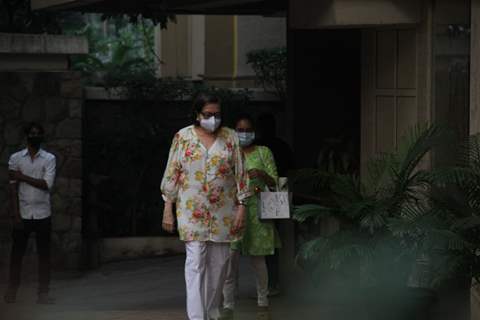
[
  {"x": 246, "y": 138},
  {"x": 211, "y": 124},
  {"x": 35, "y": 142}
]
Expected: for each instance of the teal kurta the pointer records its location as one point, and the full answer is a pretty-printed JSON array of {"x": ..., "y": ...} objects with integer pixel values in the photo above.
[{"x": 260, "y": 237}]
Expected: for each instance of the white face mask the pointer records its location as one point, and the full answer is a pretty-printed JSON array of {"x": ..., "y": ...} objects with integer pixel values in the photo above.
[
  {"x": 211, "y": 124},
  {"x": 246, "y": 138}
]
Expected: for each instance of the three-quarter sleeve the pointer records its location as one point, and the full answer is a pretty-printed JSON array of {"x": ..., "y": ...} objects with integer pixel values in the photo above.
[
  {"x": 269, "y": 163},
  {"x": 241, "y": 176},
  {"x": 170, "y": 181}
]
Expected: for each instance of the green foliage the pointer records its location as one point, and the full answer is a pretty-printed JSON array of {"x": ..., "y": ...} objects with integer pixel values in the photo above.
[
  {"x": 270, "y": 66},
  {"x": 456, "y": 197},
  {"x": 17, "y": 17},
  {"x": 145, "y": 88},
  {"x": 118, "y": 50},
  {"x": 156, "y": 17},
  {"x": 387, "y": 220}
]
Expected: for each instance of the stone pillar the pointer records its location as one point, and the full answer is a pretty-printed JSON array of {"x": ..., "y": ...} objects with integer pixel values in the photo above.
[
  {"x": 475, "y": 115},
  {"x": 475, "y": 69}
]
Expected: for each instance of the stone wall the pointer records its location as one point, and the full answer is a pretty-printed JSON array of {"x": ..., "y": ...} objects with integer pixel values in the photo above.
[{"x": 56, "y": 101}]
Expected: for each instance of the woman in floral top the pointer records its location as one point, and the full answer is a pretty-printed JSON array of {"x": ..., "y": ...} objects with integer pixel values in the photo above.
[{"x": 206, "y": 180}]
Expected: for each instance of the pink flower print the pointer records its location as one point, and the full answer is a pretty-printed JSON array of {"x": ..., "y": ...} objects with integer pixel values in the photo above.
[
  {"x": 223, "y": 169},
  {"x": 214, "y": 198},
  {"x": 197, "y": 214}
]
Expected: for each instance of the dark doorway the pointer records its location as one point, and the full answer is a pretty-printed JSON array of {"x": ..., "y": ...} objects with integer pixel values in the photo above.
[
  {"x": 325, "y": 68},
  {"x": 326, "y": 94}
]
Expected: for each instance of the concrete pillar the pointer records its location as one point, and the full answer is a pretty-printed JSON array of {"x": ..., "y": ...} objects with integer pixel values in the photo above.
[
  {"x": 475, "y": 69},
  {"x": 475, "y": 115}
]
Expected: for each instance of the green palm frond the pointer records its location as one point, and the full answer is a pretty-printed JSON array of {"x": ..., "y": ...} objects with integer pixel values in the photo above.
[
  {"x": 379, "y": 171},
  {"x": 467, "y": 223},
  {"x": 357, "y": 209},
  {"x": 374, "y": 220},
  {"x": 314, "y": 249},
  {"x": 411, "y": 150},
  {"x": 347, "y": 188},
  {"x": 308, "y": 211},
  {"x": 453, "y": 201},
  {"x": 402, "y": 211},
  {"x": 447, "y": 239},
  {"x": 342, "y": 255},
  {"x": 313, "y": 179}
]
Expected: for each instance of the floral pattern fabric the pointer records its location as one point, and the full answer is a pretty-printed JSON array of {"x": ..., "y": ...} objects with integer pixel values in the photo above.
[{"x": 206, "y": 185}]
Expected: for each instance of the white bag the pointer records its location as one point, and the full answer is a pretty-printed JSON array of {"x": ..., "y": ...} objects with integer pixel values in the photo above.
[{"x": 275, "y": 204}]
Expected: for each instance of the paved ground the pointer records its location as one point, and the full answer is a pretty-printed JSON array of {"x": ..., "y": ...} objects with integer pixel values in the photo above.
[{"x": 141, "y": 290}]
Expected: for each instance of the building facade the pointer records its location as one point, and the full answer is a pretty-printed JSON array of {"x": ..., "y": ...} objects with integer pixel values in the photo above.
[{"x": 397, "y": 64}]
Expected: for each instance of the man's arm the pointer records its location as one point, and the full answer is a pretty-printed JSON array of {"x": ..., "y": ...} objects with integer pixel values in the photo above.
[
  {"x": 37, "y": 183},
  {"x": 13, "y": 197},
  {"x": 46, "y": 182}
]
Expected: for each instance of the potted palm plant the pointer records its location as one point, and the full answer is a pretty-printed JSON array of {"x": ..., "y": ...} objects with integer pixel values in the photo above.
[
  {"x": 384, "y": 232},
  {"x": 454, "y": 226}
]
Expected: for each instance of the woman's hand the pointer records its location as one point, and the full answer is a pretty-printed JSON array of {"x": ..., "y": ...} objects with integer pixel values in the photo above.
[
  {"x": 262, "y": 175},
  {"x": 256, "y": 173},
  {"x": 239, "y": 222},
  {"x": 168, "y": 222}
]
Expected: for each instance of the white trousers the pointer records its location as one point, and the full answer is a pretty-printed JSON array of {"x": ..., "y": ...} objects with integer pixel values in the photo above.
[
  {"x": 261, "y": 274},
  {"x": 205, "y": 270}
]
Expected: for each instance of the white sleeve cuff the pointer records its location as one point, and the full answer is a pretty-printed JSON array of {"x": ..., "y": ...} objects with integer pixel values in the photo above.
[{"x": 165, "y": 198}]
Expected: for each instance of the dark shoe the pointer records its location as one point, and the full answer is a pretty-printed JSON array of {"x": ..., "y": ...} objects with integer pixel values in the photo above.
[
  {"x": 263, "y": 313},
  {"x": 226, "y": 314},
  {"x": 44, "y": 298},
  {"x": 273, "y": 292},
  {"x": 10, "y": 296}
]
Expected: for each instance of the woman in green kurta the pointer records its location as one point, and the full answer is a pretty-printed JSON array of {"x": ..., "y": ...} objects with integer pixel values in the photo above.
[{"x": 260, "y": 238}]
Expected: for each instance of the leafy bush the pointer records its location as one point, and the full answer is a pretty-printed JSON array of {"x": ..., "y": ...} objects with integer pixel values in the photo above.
[
  {"x": 388, "y": 221},
  {"x": 270, "y": 66},
  {"x": 16, "y": 16},
  {"x": 118, "y": 49}
]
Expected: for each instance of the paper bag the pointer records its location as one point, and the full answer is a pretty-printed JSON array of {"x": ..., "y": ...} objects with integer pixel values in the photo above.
[{"x": 275, "y": 204}]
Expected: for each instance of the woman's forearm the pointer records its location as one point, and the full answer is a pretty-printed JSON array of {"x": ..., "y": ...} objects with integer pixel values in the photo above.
[
  {"x": 269, "y": 181},
  {"x": 168, "y": 206}
]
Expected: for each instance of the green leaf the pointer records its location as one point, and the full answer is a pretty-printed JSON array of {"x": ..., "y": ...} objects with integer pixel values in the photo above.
[{"x": 308, "y": 211}]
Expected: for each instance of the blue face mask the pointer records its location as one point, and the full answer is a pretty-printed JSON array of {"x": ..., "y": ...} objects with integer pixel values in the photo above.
[{"x": 246, "y": 138}]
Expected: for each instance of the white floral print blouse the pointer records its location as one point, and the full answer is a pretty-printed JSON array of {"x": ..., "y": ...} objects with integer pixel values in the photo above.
[{"x": 206, "y": 185}]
